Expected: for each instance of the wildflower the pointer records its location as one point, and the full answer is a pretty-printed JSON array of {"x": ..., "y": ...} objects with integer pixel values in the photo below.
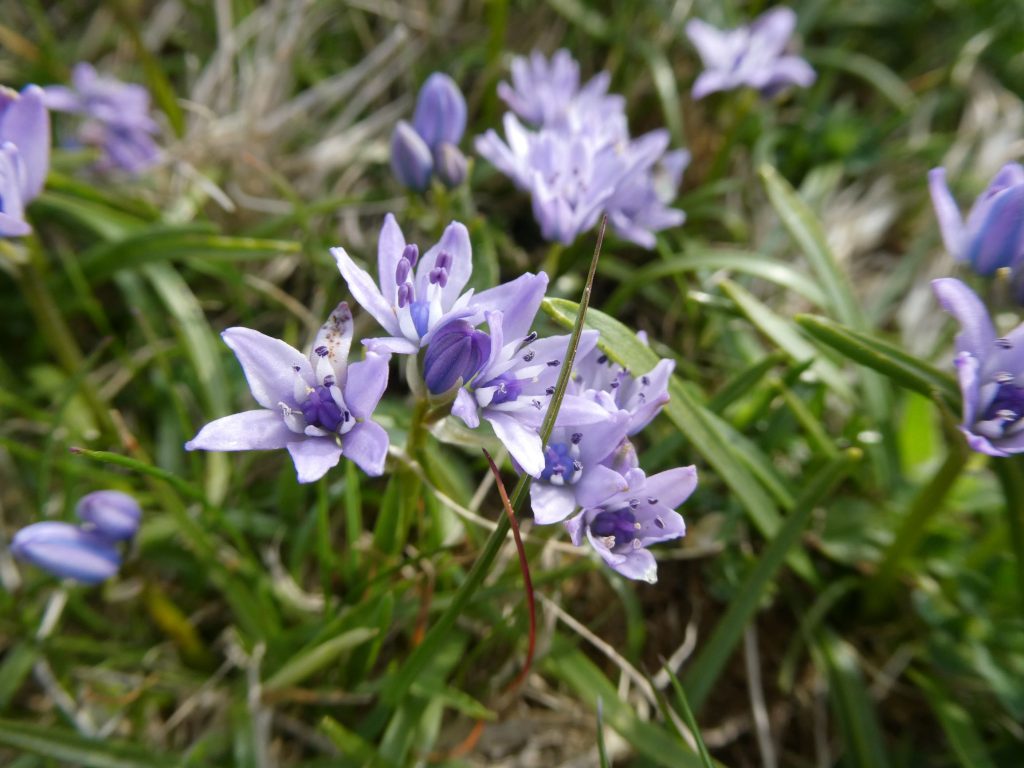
[
  {"x": 623, "y": 525},
  {"x": 455, "y": 354},
  {"x": 418, "y": 295},
  {"x": 319, "y": 407},
  {"x": 67, "y": 551},
  {"x": 430, "y": 144},
  {"x": 993, "y": 235},
  {"x": 991, "y": 373},
  {"x": 513, "y": 388},
  {"x": 547, "y": 93},
  {"x": 580, "y": 160},
  {"x": 573, "y": 474},
  {"x": 24, "y": 155},
  {"x": 111, "y": 514},
  {"x": 642, "y": 397},
  {"x": 410, "y": 157},
  {"x": 753, "y": 55},
  {"x": 117, "y": 118}
]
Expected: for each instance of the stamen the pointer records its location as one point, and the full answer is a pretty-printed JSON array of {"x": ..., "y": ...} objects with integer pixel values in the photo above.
[
  {"x": 404, "y": 295},
  {"x": 402, "y": 271},
  {"x": 549, "y": 391},
  {"x": 322, "y": 350},
  {"x": 444, "y": 261},
  {"x": 651, "y": 500},
  {"x": 528, "y": 357},
  {"x": 411, "y": 253},
  {"x": 659, "y": 522},
  {"x": 554, "y": 363},
  {"x": 1004, "y": 343},
  {"x": 576, "y": 437},
  {"x": 645, "y": 380},
  {"x": 602, "y": 359}
]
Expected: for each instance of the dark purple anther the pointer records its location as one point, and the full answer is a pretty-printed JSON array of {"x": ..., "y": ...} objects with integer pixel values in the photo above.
[
  {"x": 553, "y": 363},
  {"x": 321, "y": 351},
  {"x": 404, "y": 294},
  {"x": 528, "y": 357},
  {"x": 402, "y": 270},
  {"x": 411, "y": 253},
  {"x": 320, "y": 410},
  {"x": 456, "y": 352},
  {"x": 443, "y": 261},
  {"x": 576, "y": 438}
]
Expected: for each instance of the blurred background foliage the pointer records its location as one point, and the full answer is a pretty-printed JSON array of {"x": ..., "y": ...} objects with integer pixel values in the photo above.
[{"x": 849, "y": 592}]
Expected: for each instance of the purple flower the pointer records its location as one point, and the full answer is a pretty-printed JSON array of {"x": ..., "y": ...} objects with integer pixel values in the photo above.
[
  {"x": 642, "y": 397},
  {"x": 455, "y": 355},
  {"x": 111, "y": 514},
  {"x": 573, "y": 474},
  {"x": 430, "y": 144},
  {"x": 319, "y": 407},
  {"x": 991, "y": 373},
  {"x": 67, "y": 551},
  {"x": 580, "y": 161},
  {"x": 547, "y": 94},
  {"x": 624, "y": 524},
  {"x": 513, "y": 388},
  {"x": 419, "y": 295},
  {"x": 993, "y": 235},
  {"x": 570, "y": 176},
  {"x": 754, "y": 55},
  {"x": 411, "y": 161},
  {"x": 117, "y": 118},
  {"x": 24, "y": 155}
]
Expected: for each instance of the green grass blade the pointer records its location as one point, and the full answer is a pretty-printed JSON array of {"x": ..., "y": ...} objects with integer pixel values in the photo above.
[
  {"x": 704, "y": 669},
  {"x": 689, "y": 719},
  {"x": 313, "y": 660},
  {"x": 68, "y": 747},
  {"x": 961, "y": 732}
]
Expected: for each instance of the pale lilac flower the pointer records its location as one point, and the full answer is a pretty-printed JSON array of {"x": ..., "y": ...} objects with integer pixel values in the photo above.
[
  {"x": 24, "y": 155},
  {"x": 570, "y": 176},
  {"x": 111, "y": 514},
  {"x": 623, "y": 525},
  {"x": 547, "y": 93},
  {"x": 67, "y": 551},
  {"x": 753, "y": 55},
  {"x": 318, "y": 407},
  {"x": 116, "y": 118},
  {"x": 573, "y": 474},
  {"x": 430, "y": 144},
  {"x": 417, "y": 295},
  {"x": 991, "y": 373},
  {"x": 513, "y": 387},
  {"x": 993, "y": 235},
  {"x": 642, "y": 397}
]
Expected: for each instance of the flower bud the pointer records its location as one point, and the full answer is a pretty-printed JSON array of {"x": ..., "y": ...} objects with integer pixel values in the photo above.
[
  {"x": 67, "y": 551},
  {"x": 451, "y": 165},
  {"x": 440, "y": 115},
  {"x": 410, "y": 157},
  {"x": 111, "y": 514},
  {"x": 456, "y": 352}
]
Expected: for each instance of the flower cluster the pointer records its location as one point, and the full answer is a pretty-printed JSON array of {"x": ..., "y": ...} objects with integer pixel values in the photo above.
[
  {"x": 753, "y": 55},
  {"x": 575, "y": 155},
  {"x": 24, "y": 155},
  {"x": 480, "y": 357},
  {"x": 89, "y": 552},
  {"x": 116, "y": 118},
  {"x": 431, "y": 144}
]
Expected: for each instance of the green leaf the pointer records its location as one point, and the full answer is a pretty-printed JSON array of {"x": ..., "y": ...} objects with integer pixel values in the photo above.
[
  {"x": 704, "y": 669},
  {"x": 655, "y": 743},
  {"x": 857, "y": 718},
  {"x": 872, "y": 71},
  {"x": 68, "y": 747},
  {"x": 312, "y": 660},
  {"x": 689, "y": 719},
  {"x": 786, "y": 337},
  {"x": 18, "y": 662},
  {"x": 890, "y": 361},
  {"x": 961, "y": 732}
]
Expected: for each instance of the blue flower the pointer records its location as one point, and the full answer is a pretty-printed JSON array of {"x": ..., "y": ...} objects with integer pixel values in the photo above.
[
  {"x": 318, "y": 407},
  {"x": 67, "y": 551},
  {"x": 117, "y": 118},
  {"x": 513, "y": 388},
  {"x": 621, "y": 526},
  {"x": 24, "y": 155},
  {"x": 993, "y": 235},
  {"x": 991, "y": 373},
  {"x": 430, "y": 144},
  {"x": 753, "y": 55},
  {"x": 111, "y": 514},
  {"x": 417, "y": 295}
]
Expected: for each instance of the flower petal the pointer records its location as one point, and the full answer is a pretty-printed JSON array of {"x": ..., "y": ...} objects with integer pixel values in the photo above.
[
  {"x": 455, "y": 242},
  {"x": 314, "y": 456},
  {"x": 366, "y": 292},
  {"x": 517, "y": 300},
  {"x": 598, "y": 484},
  {"x": 367, "y": 445},
  {"x": 390, "y": 247},
  {"x": 977, "y": 335},
  {"x": 523, "y": 443},
  {"x": 466, "y": 409},
  {"x": 257, "y": 430},
  {"x": 671, "y": 487},
  {"x": 366, "y": 382},
  {"x": 335, "y": 336},
  {"x": 270, "y": 365},
  {"x": 67, "y": 551},
  {"x": 387, "y": 345},
  {"x": 551, "y": 503},
  {"x": 26, "y": 124}
]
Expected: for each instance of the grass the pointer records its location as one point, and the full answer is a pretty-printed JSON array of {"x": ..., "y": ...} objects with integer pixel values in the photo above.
[{"x": 822, "y": 610}]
